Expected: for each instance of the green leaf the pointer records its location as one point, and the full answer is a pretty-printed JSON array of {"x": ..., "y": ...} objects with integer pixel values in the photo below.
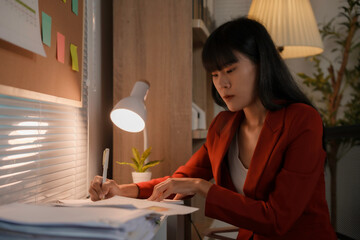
[
  {"x": 303, "y": 75},
  {"x": 150, "y": 164},
  {"x": 136, "y": 154},
  {"x": 130, "y": 164},
  {"x": 145, "y": 155},
  {"x": 136, "y": 163}
]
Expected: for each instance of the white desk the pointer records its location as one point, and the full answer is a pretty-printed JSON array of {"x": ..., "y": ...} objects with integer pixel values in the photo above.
[
  {"x": 173, "y": 228},
  {"x": 161, "y": 231}
]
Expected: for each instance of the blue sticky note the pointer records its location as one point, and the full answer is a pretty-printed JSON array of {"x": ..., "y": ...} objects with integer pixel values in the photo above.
[
  {"x": 75, "y": 6},
  {"x": 46, "y": 28}
]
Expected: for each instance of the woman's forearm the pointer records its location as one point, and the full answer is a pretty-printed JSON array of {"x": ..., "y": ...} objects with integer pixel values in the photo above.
[{"x": 128, "y": 190}]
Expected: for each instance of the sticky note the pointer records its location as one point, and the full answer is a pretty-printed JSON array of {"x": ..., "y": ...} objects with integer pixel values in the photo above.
[
  {"x": 46, "y": 28},
  {"x": 60, "y": 47},
  {"x": 64, "y": 1},
  {"x": 74, "y": 57},
  {"x": 75, "y": 6}
]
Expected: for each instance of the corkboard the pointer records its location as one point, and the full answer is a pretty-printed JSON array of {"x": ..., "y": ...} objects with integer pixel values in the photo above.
[{"x": 26, "y": 74}]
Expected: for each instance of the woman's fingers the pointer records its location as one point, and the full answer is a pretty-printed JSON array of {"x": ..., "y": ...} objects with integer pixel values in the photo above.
[
  {"x": 157, "y": 194},
  {"x": 110, "y": 189},
  {"x": 183, "y": 186},
  {"x": 93, "y": 195},
  {"x": 95, "y": 189},
  {"x": 180, "y": 196}
]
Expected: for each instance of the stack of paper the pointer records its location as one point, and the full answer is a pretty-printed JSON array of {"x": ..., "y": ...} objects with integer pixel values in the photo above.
[
  {"x": 26, "y": 221},
  {"x": 115, "y": 218}
]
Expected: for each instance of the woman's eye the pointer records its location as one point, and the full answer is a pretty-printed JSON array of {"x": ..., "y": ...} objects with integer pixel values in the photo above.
[
  {"x": 214, "y": 75},
  {"x": 230, "y": 70}
]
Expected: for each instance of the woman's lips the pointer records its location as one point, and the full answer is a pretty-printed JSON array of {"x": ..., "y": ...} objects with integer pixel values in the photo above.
[{"x": 228, "y": 97}]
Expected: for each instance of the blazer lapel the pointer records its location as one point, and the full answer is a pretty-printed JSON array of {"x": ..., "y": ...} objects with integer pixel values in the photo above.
[
  {"x": 268, "y": 138},
  {"x": 224, "y": 135}
]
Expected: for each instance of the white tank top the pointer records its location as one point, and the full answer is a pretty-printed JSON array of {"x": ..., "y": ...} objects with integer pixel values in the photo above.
[{"x": 238, "y": 171}]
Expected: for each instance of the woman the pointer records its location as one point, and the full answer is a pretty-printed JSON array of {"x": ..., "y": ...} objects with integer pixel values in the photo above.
[{"x": 265, "y": 153}]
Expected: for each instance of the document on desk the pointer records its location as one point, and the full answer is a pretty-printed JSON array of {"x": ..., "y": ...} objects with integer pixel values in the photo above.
[
  {"x": 164, "y": 208},
  {"x": 30, "y": 221}
]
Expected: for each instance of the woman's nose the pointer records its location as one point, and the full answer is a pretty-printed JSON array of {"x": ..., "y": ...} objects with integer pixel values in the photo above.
[{"x": 224, "y": 81}]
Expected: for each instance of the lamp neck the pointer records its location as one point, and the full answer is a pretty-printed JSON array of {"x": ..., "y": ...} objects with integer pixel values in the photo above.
[
  {"x": 145, "y": 143},
  {"x": 140, "y": 90}
]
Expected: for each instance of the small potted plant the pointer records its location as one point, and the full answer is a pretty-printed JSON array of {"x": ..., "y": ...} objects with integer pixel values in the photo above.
[{"x": 140, "y": 166}]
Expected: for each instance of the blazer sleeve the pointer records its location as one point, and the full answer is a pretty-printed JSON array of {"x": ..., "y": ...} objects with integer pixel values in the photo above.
[
  {"x": 198, "y": 166},
  {"x": 294, "y": 184}
]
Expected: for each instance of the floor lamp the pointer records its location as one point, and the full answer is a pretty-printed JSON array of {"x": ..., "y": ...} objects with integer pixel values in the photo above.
[{"x": 291, "y": 24}]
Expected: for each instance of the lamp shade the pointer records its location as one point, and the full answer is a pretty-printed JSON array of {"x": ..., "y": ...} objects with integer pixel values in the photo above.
[
  {"x": 291, "y": 24},
  {"x": 129, "y": 113}
]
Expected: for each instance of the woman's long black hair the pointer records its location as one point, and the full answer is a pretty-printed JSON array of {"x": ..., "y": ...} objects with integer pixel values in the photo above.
[{"x": 252, "y": 39}]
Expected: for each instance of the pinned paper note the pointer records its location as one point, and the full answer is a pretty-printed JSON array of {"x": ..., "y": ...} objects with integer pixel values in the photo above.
[
  {"x": 75, "y": 6},
  {"x": 60, "y": 47},
  {"x": 20, "y": 25},
  {"x": 74, "y": 57},
  {"x": 46, "y": 28}
]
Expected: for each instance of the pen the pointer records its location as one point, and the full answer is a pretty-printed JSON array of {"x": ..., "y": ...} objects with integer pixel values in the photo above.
[{"x": 105, "y": 163}]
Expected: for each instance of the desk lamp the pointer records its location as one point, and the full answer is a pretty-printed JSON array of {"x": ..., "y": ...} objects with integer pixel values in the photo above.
[
  {"x": 291, "y": 24},
  {"x": 129, "y": 114}
]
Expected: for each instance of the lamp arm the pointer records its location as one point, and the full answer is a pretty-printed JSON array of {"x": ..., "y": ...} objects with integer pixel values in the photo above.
[{"x": 145, "y": 143}]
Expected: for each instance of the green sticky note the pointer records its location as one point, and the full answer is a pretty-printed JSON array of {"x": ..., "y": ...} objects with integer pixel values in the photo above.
[
  {"x": 75, "y": 6},
  {"x": 74, "y": 57},
  {"x": 46, "y": 28}
]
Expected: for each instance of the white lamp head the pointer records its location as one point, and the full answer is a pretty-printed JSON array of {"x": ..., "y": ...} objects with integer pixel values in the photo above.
[
  {"x": 291, "y": 24},
  {"x": 129, "y": 113}
]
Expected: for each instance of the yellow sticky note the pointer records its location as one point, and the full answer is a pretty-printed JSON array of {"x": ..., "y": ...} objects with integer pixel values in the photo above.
[
  {"x": 64, "y": 1},
  {"x": 74, "y": 57}
]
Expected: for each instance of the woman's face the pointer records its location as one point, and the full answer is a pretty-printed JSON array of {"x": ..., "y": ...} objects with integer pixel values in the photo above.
[{"x": 237, "y": 82}]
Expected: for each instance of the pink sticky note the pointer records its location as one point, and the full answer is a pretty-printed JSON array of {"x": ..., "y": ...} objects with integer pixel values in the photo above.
[{"x": 60, "y": 47}]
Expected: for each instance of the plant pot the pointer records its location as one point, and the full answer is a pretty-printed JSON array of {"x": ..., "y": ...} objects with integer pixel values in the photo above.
[{"x": 141, "y": 176}]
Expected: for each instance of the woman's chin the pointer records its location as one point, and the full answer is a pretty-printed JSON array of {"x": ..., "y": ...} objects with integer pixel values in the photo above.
[{"x": 232, "y": 109}]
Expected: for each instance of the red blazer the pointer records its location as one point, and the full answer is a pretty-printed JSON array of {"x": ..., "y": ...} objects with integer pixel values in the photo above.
[{"x": 284, "y": 188}]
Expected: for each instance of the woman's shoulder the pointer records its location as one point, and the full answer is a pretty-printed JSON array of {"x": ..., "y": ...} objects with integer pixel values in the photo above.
[
  {"x": 302, "y": 109},
  {"x": 300, "y": 113}
]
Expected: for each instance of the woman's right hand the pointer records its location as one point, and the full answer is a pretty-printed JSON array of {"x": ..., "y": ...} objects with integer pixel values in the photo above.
[{"x": 110, "y": 188}]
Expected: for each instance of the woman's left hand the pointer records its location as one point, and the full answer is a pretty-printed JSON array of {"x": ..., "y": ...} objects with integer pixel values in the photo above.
[{"x": 181, "y": 187}]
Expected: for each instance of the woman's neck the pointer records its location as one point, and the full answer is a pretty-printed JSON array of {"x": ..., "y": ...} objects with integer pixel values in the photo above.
[{"x": 255, "y": 115}]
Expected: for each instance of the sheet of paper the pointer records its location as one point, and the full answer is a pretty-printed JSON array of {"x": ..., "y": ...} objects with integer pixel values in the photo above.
[
  {"x": 20, "y": 25},
  {"x": 89, "y": 203},
  {"x": 163, "y": 208}
]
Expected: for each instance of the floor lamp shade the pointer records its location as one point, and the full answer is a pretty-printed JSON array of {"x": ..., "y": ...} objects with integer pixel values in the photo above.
[
  {"x": 129, "y": 113},
  {"x": 291, "y": 24}
]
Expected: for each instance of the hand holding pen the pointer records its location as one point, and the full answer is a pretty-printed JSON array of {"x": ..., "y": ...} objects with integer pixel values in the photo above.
[{"x": 103, "y": 188}]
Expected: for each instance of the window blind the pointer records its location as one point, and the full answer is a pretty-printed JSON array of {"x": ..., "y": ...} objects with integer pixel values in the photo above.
[{"x": 43, "y": 147}]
